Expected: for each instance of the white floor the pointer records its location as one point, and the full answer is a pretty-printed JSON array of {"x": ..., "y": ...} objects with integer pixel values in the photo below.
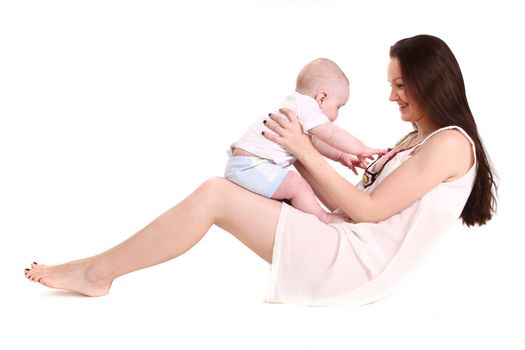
[{"x": 197, "y": 303}]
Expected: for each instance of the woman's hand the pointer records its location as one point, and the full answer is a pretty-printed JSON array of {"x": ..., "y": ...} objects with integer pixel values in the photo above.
[{"x": 288, "y": 132}]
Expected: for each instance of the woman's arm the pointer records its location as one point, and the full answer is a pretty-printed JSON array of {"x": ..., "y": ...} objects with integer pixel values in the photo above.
[
  {"x": 426, "y": 169},
  {"x": 430, "y": 166}
]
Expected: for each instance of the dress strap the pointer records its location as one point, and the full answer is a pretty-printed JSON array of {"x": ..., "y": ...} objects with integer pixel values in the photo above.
[
  {"x": 404, "y": 138},
  {"x": 448, "y": 128}
]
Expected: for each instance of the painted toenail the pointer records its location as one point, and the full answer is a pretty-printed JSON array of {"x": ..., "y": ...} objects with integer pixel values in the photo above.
[
  {"x": 26, "y": 270},
  {"x": 35, "y": 263}
]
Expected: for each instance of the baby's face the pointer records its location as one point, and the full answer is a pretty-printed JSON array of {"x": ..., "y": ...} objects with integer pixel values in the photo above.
[{"x": 334, "y": 100}]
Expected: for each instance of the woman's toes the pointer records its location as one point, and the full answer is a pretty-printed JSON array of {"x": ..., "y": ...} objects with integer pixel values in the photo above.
[
  {"x": 44, "y": 281},
  {"x": 37, "y": 276},
  {"x": 32, "y": 274},
  {"x": 33, "y": 265}
]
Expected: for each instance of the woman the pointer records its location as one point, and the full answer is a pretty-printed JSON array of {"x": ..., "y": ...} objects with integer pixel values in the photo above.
[{"x": 405, "y": 200}]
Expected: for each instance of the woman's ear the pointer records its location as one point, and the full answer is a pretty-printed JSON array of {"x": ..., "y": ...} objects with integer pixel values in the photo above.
[{"x": 321, "y": 97}]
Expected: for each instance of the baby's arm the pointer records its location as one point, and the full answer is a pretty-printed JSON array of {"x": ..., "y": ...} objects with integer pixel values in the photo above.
[
  {"x": 337, "y": 138},
  {"x": 341, "y": 140},
  {"x": 349, "y": 160},
  {"x": 325, "y": 149}
]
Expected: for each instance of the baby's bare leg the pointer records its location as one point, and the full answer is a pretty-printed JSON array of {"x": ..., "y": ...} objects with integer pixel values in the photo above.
[{"x": 296, "y": 189}]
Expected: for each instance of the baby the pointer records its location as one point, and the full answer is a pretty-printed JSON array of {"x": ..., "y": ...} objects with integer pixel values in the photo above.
[{"x": 261, "y": 165}]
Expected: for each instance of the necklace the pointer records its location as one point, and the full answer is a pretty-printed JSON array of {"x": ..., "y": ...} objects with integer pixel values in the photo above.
[{"x": 370, "y": 176}]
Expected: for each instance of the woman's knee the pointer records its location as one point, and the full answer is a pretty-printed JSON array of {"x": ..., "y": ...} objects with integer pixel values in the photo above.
[{"x": 213, "y": 187}]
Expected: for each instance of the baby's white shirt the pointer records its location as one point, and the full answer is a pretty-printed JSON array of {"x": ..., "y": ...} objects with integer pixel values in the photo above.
[{"x": 309, "y": 115}]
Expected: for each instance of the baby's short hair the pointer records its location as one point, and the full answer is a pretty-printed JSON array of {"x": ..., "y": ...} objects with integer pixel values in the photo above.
[{"x": 318, "y": 75}]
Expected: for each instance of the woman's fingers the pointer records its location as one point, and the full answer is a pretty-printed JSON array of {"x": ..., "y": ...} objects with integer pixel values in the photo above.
[
  {"x": 272, "y": 137},
  {"x": 288, "y": 121},
  {"x": 292, "y": 117},
  {"x": 273, "y": 126},
  {"x": 287, "y": 133},
  {"x": 282, "y": 121}
]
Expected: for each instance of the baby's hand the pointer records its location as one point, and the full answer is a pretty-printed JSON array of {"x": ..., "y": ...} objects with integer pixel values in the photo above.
[
  {"x": 351, "y": 161},
  {"x": 368, "y": 153},
  {"x": 362, "y": 159}
]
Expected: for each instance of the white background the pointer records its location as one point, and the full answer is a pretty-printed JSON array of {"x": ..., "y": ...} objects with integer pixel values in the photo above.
[{"x": 113, "y": 111}]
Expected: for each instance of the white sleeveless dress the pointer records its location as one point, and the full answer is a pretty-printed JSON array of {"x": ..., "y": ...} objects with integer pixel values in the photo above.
[{"x": 357, "y": 263}]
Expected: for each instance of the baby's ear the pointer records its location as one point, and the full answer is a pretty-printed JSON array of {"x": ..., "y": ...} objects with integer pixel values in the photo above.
[{"x": 321, "y": 97}]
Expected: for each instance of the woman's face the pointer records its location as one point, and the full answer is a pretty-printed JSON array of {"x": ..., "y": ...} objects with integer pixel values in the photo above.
[{"x": 410, "y": 112}]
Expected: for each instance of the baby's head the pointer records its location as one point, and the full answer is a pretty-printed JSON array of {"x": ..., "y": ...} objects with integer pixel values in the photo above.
[{"x": 324, "y": 81}]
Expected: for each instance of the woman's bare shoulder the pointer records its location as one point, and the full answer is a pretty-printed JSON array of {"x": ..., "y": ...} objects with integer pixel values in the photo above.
[
  {"x": 450, "y": 140},
  {"x": 452, "y": 149}
]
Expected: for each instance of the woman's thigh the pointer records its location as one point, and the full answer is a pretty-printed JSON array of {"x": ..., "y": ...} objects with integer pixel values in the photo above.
[{"x": 251, "y": 218}]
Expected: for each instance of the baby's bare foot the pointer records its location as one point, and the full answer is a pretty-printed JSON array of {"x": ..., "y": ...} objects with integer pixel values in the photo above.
[{"x": 74, "y": 276}]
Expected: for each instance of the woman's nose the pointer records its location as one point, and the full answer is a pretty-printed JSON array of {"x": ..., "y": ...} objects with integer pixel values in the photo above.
[{"x": 393, "y": 95}]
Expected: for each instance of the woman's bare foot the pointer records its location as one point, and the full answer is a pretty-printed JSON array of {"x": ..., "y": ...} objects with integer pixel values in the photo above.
[{"x": 77, "y": 276}]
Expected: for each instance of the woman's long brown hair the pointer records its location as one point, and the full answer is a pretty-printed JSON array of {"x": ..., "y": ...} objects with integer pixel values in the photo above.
[{"x": 432, "y": 76}]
